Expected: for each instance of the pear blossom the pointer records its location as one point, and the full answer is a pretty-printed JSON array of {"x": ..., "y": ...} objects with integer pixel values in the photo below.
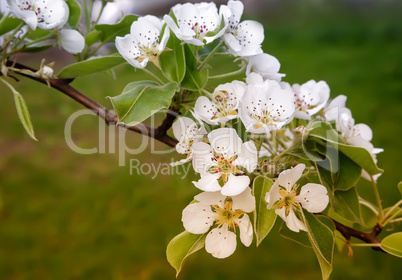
[
  {"x": 224, "y": 215},
  {"x": 310, "y": 98},
  {"x": 143, "y": 44},
  {"x": 113, "y": 11},
  {"x": 222, "y": 159},
  {"x": 187, "y": 132},
  {"x": 266, "y": 65},
  {"x": 284, "y": 199},
  {"x": 334, "y": 108},
  {"x": 4, "y": 10},
  {"x": 265, "y": 105},
  {"x": 195, "y": 23},
  {"x": 45, "y": 14},
  {"x": 243, "y": 38},
  {"x": 71, "y": 40},
  {"x": 225, "y": 101}
]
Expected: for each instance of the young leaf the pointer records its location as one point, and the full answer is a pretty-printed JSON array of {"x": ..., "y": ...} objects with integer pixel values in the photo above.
[
  {"x": 298, "y": 237},
  {"x": 346, "y": 204},
  {"x": 91, "y": 66},
  {"x": 8, "y": 23},
  {"x": 93, "y": 37},
  {"x": 322, "y": 239},
  {"x": 392, "y": 244},
  {"x": 264, "y": 219},
  {"x": 400, "y": 187},
  {"x": 182, "y": 246},
  {"x": 194, "y": 79},
  {"x": 140, "y": 100},
  {"x": 172, "y": 61},
  {"x": 22, "y": 111},
  {"x": 75, "y": 12},
  {"x": 110, "y": 31}
]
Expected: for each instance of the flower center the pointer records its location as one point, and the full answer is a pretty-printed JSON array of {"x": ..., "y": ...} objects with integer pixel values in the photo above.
[
  {"x": 224, "y": 104},
  {"x": 227, "y": 215},
  {"x": 287, "y": 200}
]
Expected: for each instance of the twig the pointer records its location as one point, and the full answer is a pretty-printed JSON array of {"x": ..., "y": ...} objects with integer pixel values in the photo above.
[{"x": 110, "y": 117}]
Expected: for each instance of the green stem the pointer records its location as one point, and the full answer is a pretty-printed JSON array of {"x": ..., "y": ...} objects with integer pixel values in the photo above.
[
  {"x": 206, "y": 93},
  {"x": 10, "y": 39},
  {"x": 227, "y": 75},
  {"x": 210, "y": 55},
  {"x": 391, "y": 218},
  {"x": 365, "y": 244},
  {"x": 392, "y": 209},
  {"x": 378, "y": 199},
  {"x": 396, "y": 220}
]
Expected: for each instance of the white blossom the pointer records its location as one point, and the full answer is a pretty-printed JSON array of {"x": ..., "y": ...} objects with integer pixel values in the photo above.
[
  {"x": 266, "y": 65},
  {"x": 71, "y": 40},
  {"x": 143, "y": 44},
  {"x": 242, "y": 38},
  {"x": 45, "y": 14},
  {"x": 284, "y": 199},
  {"x": 113, "y": 11},
  {"x": 195, "y": 23},
  {"x": 4, "y": 10},
  {"x": 224, "y": 104},
  {"x": 225, "y": 215},
  {"x": 265, "y": 106},
  {"x": 310, "y": 98},
  {"x": 222, "y": 159},
  {"x": 187, "y": 132}
]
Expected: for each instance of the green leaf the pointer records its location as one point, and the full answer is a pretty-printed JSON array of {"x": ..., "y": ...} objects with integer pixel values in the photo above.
[
  {"x": 172, "y": 60},
  {"x": 22, "y": 111},
  {"x": 322, "y": 239},
  {"x": 324, "y": 131},
  {"x": 36, "y": 49},
  {"x": 91, "y": 66},
  {"x": 38, "y": 34},
  {"x": 8, "y": 23},
  {"x": 264, "y": 219},
  {"x": 194, "y": 79},
  {"x": 344, "y": 173},
  {"x": 75, "y": 12},
  {"x": 298, "y": 237},
  {"x": 140, "y": 100},
  {"x": 346, "y": 204},
  {"x": 400, "y": 187},
  {"x": 93, "y": 37},
  {"x": 182, "y": 246},
  {"x": 392, "y": 244},
  {"x": 110, "y": 31}
]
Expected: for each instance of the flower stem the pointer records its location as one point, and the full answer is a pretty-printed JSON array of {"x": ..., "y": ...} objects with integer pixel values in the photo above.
[
  {"x": 153, "y": 75},
  {"x": 378, "y": 199},
  {"x": 227, "y": 75},
  {"x": 365, "y": 244},
  {"x": 210, "y": 55}
]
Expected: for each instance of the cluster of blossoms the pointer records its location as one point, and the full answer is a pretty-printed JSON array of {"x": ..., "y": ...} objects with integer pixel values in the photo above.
[{"x": 264, "y": 105}]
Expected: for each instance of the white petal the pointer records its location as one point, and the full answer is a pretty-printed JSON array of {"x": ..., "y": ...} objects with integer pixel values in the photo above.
[
  {"x": 246, "y": 230},
  {"x": 266, "y": 65},
  {"x": 208, "y": 182},
  {"x": 225, "y": 141},
  {"x": 205, "y": 110},
  {"x": 313, "y": 197},
  {"x": 220, "y": 242},
  {"x": 292, "y": 222},
  {"x": 363, "y": 130},
  {"x": 181, "y": 125},
  {"x": 273, "y": 195},
  {"x": 72, "y": 41},
  {"x": 244, "y": 201},
  {"x": 248, "y": 156},
  {"x": 211, "y": 198},
  {"x": 203, "y": 158},
  {"x": 197, "y": 218},
  {"x": 333, "y": 108},
  {"x": 289, "y": 177},
  {"x": 235, "y": 185}
]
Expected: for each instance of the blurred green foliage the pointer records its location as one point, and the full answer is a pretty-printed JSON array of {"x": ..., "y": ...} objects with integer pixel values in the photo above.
[{"x": 71, "y": 216}]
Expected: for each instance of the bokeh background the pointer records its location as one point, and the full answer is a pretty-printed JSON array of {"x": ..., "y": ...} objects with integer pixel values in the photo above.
[{"x": 70, "y": 216}]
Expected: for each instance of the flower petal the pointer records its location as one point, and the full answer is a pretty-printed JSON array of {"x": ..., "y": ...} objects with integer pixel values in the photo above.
[
  {"x": 211, "y": 198},
  {"x": 72, "y": 41},
  {"x": 246, "y": 230},
  {"x": 292, "y": 222},
  {"x": 208, "y": 182},
  {"x": 235, "y": 185},
  {"x": 197, "y": 218},
  {"x": 220, "y": 242},
  {"x": 313, "y": 197},
  {"x": 289, "y": 177},
  {"x": 248, "y": 156},
  {"x": 244, "y": 201}
]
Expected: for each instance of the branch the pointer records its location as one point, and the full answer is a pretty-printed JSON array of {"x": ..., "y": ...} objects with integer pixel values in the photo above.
[
  {"x": 63, "y": 85},
  {"x": 368, "y": 237}
]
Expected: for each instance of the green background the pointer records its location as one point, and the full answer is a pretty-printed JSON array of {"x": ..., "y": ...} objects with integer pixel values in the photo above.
[{"x": 70, "y": 216}]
